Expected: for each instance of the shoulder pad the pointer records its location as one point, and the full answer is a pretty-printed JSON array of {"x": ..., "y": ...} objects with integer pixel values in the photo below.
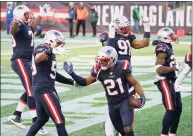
[{"x": 161, "y": 48}]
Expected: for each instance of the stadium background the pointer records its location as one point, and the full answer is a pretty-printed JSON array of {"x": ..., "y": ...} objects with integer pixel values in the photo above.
[{"x": 85, "y": 108}]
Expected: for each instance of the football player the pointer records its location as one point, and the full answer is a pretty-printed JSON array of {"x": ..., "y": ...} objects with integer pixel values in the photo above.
[
  {"x": 186, "y": 70},
  {"x": 108, "y": 126},
  {"x": 166, "y": 69},
  {"x": 21, "y": 30},
  {"x": 43, "y": 82},
  {"x": 122, "y": 39},
  {"x": 114, "y": 76}
]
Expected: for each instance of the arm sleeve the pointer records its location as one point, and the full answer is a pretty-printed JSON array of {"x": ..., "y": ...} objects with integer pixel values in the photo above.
[
  {"x": 80, "y": 80},
  {"x": 64, "y": 80},
  {"x": 126, "y": 67},
  {"x": 111, "y": 42}
]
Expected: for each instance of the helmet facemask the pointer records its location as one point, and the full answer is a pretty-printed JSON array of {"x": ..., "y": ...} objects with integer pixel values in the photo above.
[{"x": 106, "y": 62}]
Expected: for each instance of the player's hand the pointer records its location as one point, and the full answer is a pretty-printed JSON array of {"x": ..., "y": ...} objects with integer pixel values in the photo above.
[
  {"x": 112, "y": 27},
  {"x": 146, "y": 23},
  {"x": 68, "y": 68},
  {"x": 60, "y": 51},
  {"x": 44, "y": 10},
  {"x": 143, "y": 99}
]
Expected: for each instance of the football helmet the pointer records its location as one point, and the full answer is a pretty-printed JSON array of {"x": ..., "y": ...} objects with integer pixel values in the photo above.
[
  {"x": 54, "y": 39},
  {"x": 123, "y": 25},
  {"x": 107, "y": 57},
  {"x": 22, "y": 13},
  {"x": 167, "y": 35}
]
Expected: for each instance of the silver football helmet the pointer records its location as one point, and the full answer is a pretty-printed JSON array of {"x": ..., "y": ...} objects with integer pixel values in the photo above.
[{"x": 107, "y": 57}]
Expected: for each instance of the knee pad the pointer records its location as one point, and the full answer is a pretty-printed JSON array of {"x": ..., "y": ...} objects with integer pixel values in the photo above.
[{"x": 128, "y": 129}]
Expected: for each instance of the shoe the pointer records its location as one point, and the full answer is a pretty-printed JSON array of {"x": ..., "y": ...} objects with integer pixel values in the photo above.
[
  {"x": 16, "y": 120},
  {"x": 43, "y": 131}
]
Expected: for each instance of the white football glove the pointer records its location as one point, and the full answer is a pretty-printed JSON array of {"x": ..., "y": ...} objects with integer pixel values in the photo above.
[
  {"x": 60, "y": 51},
  {"x": 146, "y": 23},
  {"x": 112, "y": 27},
  {"x": 44, "y": 10}
]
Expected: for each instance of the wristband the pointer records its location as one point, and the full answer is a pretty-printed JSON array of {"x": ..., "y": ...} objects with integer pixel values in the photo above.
[{"x": 146, "y": 35}]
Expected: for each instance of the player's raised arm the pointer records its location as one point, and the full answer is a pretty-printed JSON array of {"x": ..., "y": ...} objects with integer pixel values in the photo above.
[
  {"x": 80, "y": 80},
  {"x": 43, "y": 12},
  {"x": 137, "y": 44}
]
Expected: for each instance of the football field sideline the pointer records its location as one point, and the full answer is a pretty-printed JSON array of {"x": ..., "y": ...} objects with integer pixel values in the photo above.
[{"x": 81, "y": 111}]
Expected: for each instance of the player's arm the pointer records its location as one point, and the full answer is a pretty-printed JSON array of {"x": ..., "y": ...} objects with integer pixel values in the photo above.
[
  {"x": 160, "y": 69},
  {"x": 14, "y": 27},
  {"x": 131, "y": 79},
  {"x": 80, "y": 80},
  {"x": 137, "y": 44},
  {"x": 42, "y": 54},
  {"x": 36, "y": 22},
  {"x": 62, "y": 79},
  {"x": 43, "y": 12}
]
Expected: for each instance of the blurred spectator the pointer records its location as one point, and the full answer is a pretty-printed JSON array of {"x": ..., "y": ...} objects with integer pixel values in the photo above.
[
  {"x": 93, "y": 17},
  {"x": 9, "y": 15},
  {"x": 81, "y": 16},
  {"x": 71, "y": 17},
  {"x": 136, "y": 18}
]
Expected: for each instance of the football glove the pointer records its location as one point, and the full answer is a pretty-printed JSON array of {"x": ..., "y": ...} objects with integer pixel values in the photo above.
[
  {"x": 112, "y": 28},
  {"x": 146, "y": 23},
  {"x": 44, "y": 10},
  {"x": 60, "y": 51},
  {"x": 143, "y": 99},
  {"x": 68, "y": 68}
]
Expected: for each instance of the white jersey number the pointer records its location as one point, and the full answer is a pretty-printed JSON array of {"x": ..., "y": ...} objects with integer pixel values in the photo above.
[
  {"x": 110, "y": 86},
  {"x": 124, "y": 47},
  {"x": 32, "y": 35},
  {"x": 53, "y": 68}
]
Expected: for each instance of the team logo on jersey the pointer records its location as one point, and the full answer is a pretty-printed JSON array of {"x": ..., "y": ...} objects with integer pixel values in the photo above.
[{"x": 108, "y": 52}]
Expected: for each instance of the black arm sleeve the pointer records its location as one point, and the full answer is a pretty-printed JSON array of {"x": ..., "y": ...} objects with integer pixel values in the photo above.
[
  {"x": 80, "y": 80},
  {"x": 64, "y": 80}
]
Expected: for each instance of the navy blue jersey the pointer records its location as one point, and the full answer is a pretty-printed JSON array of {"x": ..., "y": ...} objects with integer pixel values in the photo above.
[
  {"x": 23, "y": 42},
  {"x": 122, "y": 44},
  {"x": 188, "y": 59},
  {"x": 170, "y": 60},
  {"x": 44, "y": 73},
  {"x": 114, "y": 80}
]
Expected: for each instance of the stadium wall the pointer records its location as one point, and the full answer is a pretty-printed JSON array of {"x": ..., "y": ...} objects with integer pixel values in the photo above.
[{"x": 156, "y": 11}]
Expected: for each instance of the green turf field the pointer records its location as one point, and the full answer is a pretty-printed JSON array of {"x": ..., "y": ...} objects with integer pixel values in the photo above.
[{"x": 147, "y": 121}]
